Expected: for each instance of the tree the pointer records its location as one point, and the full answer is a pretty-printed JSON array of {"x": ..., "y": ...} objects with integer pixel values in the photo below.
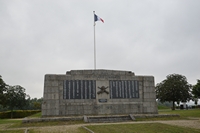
[
  {"x": 196, "y": 91},
  {"x": 15, "y": 98},
  {"x": 2, "y": 91},
  {"x": 38, "y": 103},
  {"x": 173, "y": 89},
  {"x": 34, "y": 103}
]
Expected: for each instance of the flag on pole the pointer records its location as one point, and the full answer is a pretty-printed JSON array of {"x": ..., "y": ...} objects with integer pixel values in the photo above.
[{"x": 97, "y": 18}]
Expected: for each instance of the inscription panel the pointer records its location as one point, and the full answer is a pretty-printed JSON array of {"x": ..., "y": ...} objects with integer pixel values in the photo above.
[
  {"x": 124, "y": 89},
  {"x": 79, "y": 89}
]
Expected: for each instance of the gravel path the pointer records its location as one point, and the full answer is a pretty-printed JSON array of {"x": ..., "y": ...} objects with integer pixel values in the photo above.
[{"x": 184, "y": 123}]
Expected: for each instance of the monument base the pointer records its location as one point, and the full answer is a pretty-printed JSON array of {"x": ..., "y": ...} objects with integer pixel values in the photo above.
[{"x": 102, "y": 118}]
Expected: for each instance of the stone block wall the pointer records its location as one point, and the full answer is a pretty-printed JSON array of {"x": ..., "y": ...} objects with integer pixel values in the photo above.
[{"x": 96, "y": 92}]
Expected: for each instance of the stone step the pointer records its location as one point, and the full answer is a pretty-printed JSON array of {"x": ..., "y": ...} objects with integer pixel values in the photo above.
[{"x": 96, "y": 119}]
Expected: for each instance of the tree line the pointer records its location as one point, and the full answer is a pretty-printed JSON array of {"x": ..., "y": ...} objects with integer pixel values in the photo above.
[
  {"x": 175, "y": 88},
  {"x": 15, "y": 98}
]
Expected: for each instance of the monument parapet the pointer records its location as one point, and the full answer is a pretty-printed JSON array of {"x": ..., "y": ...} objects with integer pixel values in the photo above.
[{"x": 98, "y": 92}]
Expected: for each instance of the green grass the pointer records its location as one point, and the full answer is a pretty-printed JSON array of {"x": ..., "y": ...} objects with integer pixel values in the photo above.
[
  {"x": 114, "y": 128},
  {"x": 17, "y": 113},
  {"x": 182, "y": 113},
  {"x": 18, "y": 123},
  {"x": 78, "y": 130},
  {"x": 37, "y": 115},
  {"x": 141, "y": 128},
  {"x": 9, "y": 121},
  {"x": 12, "y": 131},
  {"x": 15, "y": 123}
]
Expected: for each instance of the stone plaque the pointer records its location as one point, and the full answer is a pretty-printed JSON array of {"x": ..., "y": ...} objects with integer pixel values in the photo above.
[
  {"x": 102, "y": 100},
  {"x": 79, "y": 89},
  {"x": 124, "y": 89}
]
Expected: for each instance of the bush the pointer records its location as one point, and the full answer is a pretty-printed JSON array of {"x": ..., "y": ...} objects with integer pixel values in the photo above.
[
  {"x": 163, "y": 107},
  {"x": 193, "y": 107},
  {"x": 18, "y": 113}
]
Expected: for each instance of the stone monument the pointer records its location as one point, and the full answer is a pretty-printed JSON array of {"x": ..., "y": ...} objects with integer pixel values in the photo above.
[{"x": 98, "y": 92}]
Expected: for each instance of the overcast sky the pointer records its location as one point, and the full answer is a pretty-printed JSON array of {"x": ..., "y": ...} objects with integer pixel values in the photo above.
[{"x": 148, "y": 37}]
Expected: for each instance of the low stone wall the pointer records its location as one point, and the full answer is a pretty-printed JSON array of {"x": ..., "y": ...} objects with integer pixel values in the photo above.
[
  {"x": 102, "y": 119},
  {"x": 111, "y": 118},
  {"x": 32, "y": 120}
]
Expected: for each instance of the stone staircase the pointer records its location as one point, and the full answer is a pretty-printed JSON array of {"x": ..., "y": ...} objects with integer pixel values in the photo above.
[{"x": 100, "y": 119}]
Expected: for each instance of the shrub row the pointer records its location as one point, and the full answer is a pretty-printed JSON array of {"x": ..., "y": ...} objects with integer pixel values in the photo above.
[{"x": 18, "y": 113}]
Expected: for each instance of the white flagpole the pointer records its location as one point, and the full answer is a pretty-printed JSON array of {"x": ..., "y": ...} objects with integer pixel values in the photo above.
[{"x": 94, "y": 44}]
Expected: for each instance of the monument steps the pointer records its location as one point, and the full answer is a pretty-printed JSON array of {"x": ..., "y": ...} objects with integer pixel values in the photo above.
[{"x": 100, "y": 119}]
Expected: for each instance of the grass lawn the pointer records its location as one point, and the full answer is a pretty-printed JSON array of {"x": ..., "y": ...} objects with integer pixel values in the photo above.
[
  {"x": 12, "y": 131},
  {"x": 114, "y": 128},
  {"x": 141, "y": 128},
  {"x": 51, "y": 123},
  {"x": 68, "y": 130},
  {"x": 37, "y": 115},
  {"x": 9, "y": 121},
  {"x": 182, "y": 113}
]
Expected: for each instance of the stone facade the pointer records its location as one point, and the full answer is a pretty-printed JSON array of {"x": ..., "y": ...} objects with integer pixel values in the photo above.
[{"x": 98, "y": 92}]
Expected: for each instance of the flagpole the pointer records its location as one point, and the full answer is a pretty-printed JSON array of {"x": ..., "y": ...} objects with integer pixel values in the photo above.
[{"x": 94, "y": 45}]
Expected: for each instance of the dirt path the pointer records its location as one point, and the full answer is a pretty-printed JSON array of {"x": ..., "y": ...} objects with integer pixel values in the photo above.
[{"x": 184, "y": 123}]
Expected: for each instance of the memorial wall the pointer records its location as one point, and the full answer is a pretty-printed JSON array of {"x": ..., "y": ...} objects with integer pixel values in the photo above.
[{"x": 97, "y": 92}]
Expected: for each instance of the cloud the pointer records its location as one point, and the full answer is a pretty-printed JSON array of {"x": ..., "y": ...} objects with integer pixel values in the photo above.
[{"x": 147, "y": 37}]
